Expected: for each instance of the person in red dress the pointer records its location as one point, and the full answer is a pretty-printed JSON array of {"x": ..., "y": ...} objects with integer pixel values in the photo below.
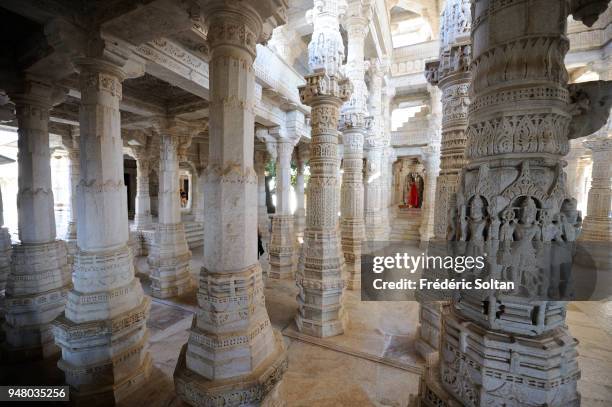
[{"x": 413, "y": 195}]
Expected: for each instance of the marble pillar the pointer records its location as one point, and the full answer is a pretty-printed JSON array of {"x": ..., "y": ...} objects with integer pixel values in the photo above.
[
  {"x": 574, "y": 170},
  {"x": 501, "y": 347},
  {"x": 169, "y": 254},
  {"x": 142, "y": 214},
  {"x": 451, "y": 74},
  {"x": 233, "y": 356},
  {"x": 71, "y": 144},
  {"x": 198, "y": 211},
  {"x": 300, "y": 192},
  {"x": 374, "y": 147},
  {"x": 353, "y": 126},
  {"x": 261, "y": 160},
  {"x": 39, "y": 278},
  {"x": 103, "y": 333},
  {"x": 321, "y": 277},
  {"x": 282, "y": 240},
  {"x": 597, "y": 225},
  {"x": 428, "y": 213}
]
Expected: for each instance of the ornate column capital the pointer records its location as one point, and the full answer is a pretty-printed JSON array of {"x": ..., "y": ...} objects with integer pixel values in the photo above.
[
  {"x": 242, "y": 24},
  {"x": 321, "y": 85}
]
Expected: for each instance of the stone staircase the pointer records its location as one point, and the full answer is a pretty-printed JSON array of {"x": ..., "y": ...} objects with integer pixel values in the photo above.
[{"x": 405, "y": 225}]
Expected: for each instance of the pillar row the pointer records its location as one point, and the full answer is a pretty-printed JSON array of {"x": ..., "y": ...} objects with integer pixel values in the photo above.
[
  {"x": 39, "y": 278},
  {"x": 103, "y": 333}
]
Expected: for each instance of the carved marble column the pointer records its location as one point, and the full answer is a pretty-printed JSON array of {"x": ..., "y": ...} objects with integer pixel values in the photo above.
[
  {"x": 39, "y": 278},
  {"x": 300, "y": 211},
  {"x": 597, "y": 225},
  {"x": 142, "y": 215},
  {"x": 451, "y": 73},
  {"x": 575, "y": 168},
  {"x": 71, "y": 143},
  {"x": 103, "y": 333},
  {"x": 498, "y": 346},
  {"x": 320, "y": 277},
  {"x": 374, "y": 146},
  {"x": 432, "y": 169},
  {"x": 261, "y": 160},
  {"x": 233, "y": 356},
  {"x": 282, "y": 241},
  {"x": 353, "y": 126},
  {"x": 169, "y": 254}
]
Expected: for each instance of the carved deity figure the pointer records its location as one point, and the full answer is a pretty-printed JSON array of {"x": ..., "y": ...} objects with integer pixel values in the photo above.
[
  {"x": 477, "y": 220},
  {"x": 571, "y": 220},
  {"x": 524, "y": 256}
]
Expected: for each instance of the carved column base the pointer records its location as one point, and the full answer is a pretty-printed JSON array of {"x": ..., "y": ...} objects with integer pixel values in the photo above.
[
  {"x": 233, "y": 356},
  {"x": 489, "y": 368},
  {"x": 169, "y": 262},
  {"x": 282, "y": 248},
  {"x": 249, "y": 390},
  {"x": 352, "y": 236},
  {"x": 5, "y": 258},
  {"x": 321, "y": 280},
  {"x": 101, "y": 366},
  {"x": 35, "y": 295},
  {"x": 103, "y": 332}
]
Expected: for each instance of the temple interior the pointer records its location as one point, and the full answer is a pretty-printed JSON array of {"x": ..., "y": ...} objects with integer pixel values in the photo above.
[{"x": 188, "y": 189}]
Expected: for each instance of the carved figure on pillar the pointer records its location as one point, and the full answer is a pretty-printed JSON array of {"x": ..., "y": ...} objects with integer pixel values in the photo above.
[{"x": 233, "y": 356}]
